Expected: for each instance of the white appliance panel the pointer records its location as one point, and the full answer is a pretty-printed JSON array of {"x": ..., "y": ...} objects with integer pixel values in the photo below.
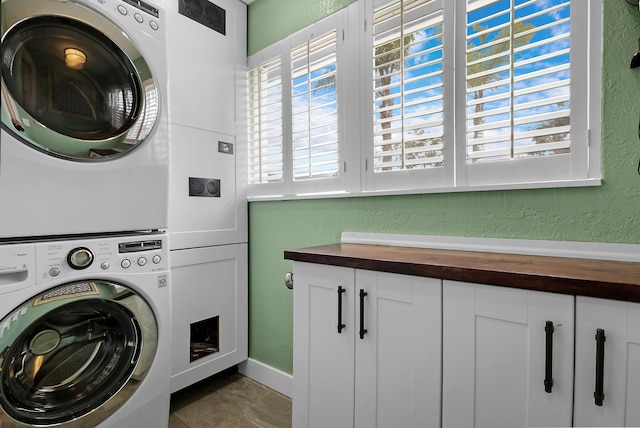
[
  {"x": 197, "y": 221},
  {"x": 205, "y": 68},
  {"x": 209, "y": 285}
]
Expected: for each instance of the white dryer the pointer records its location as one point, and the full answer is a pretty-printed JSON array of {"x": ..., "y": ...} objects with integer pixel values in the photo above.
[
  {"x": 84, "y": 145},
  {"x": 85, "y": 333}
]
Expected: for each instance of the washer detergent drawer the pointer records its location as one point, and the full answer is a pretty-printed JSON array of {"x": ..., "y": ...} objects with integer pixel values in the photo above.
[
  {"x": 210, "y": 304},
  {"x": 17, "y": 269}
]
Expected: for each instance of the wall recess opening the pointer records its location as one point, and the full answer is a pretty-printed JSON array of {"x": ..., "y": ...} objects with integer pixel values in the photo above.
[{"x": 205, "y": 338}]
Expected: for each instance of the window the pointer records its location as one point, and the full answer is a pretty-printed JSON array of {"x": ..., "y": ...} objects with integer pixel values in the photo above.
[
  {"x": 408, "y": 87},
  {"x": 265, "y": 123},
  {"x": 527, "y": 96},
  {"x": 296, "y": 130},
  {"x": 518, "y": 79},
  {"x": 435, "y": 95},
  {"x": 314, "y": 107},
  {"x": 411, "y": 140}
]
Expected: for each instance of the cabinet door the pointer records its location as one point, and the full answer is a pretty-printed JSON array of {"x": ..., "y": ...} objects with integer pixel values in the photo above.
[
  {"x": 494, "y": 357},
  {"x": 209, "y": 311},
  {"x": 618, "y": 368},
  {"x": 323, "y": 370},
  {"x": 398, "y": 359}
]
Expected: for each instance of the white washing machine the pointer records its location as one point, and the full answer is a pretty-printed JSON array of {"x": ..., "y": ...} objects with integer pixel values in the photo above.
[
  {"x": 84, "y": 145},
  {"x": 85, "y": 333}
]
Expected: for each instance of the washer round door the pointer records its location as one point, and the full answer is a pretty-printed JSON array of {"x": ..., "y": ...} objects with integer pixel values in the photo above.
[
  {"x": 74, "y": 354},
  {"x": 74, "y": 85}
]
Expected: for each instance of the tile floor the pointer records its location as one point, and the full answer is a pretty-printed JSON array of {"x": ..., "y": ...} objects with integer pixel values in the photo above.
[{"x": 229, "y": 400}]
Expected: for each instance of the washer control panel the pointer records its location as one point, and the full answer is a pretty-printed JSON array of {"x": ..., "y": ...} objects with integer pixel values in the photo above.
[{"x": 59, "y": 259}]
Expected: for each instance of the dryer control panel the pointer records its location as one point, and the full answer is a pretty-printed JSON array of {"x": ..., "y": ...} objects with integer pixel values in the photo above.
[
  {"x": 59, "y": 259},
  {"x": 142, "y": 15}
]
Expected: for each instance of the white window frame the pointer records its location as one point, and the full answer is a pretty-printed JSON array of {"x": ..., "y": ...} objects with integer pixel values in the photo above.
[
  {"x": 585, "y": 114},
  {"x": 347, "y": 179},
  {"x": 424, "y": 179},
  {"x": 354, "y": 55}
]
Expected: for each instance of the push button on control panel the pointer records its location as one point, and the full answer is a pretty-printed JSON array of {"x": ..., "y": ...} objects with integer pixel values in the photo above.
[
  {"x": 142, "y": 261},
  {"x": 123, "y": 10},
  {"x": 156, "y": 259},
  {"x": 54, "y": 271},
  {"x": 126, "y": 263},
  {"x": 138, "y": 18}
]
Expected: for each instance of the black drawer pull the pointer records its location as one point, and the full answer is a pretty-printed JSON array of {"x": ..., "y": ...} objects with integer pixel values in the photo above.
[
  {"x": 340, "y": 324},
  {"x": 363, "y": 330},
  {"x": 599, "y": 392},
  {"x": 548, "y": 359}
]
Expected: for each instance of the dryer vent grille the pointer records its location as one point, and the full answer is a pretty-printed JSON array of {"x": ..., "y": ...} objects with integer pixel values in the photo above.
[{"x": 204, "y": 12}]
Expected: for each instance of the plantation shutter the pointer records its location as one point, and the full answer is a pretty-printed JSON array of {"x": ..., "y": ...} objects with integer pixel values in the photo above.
[
  {"x": 517, "y": 79},
  {"x": 314, "y": 105},
  {"x": 408, "y": 89},
  {"x": 265, "y": 123}
]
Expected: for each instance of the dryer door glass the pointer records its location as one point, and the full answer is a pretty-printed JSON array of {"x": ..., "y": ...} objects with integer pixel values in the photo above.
[
  {"x": 71, "y": 91},
  {"x": 68, "y": 351}
]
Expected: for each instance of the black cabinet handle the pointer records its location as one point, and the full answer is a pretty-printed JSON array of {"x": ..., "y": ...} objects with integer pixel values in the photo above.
[
  {"x": 340, "y": 324},
  {"x": 548, "y": 358},
  {"x": 363, "y": 330},
  {"x": 599, "y": 392}
]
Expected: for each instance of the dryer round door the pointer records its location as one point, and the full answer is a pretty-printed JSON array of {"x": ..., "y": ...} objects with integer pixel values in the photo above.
[
  {"x": 74, "y": 85},
  {"x": 73, "y": 355}
]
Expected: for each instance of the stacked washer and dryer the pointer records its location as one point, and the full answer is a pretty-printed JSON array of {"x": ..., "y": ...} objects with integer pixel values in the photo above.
[{"x": 85, "y": 293}]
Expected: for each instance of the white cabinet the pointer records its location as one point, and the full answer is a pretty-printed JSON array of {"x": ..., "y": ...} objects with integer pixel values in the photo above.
[
  {"x": 209, "y": 311},
  {"x": 495, "y": 357},
  {"x": 207, "y": 114},
  {"x": 383, "y": 369},
  {"x": 607, "y": 386},
  {"x": 196, "y": 220},
  {"x": 398, "y": 360},
  {"x": 323, "y": 359},
  {"x": 207, "y": 69}
]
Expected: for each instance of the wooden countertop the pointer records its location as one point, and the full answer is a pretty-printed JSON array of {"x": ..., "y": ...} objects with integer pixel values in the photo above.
[{"x": 594, "y": 278}]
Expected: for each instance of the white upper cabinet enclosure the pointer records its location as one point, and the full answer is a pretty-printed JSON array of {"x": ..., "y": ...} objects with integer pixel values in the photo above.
[
  {"x": 507, "y": 357},
  {"x": 607, "y": 388},
  {"x": 367, "y": 349},
  {"x": 207, "y": 68}
]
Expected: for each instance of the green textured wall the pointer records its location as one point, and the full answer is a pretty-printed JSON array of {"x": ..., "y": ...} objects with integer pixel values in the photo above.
[
  {"x": 273, "y": 20},
  {"x": 610, "y": 213}
]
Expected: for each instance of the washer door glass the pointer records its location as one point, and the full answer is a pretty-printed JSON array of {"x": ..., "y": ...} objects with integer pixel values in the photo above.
[
  {"x": 69, "y": 90},
  {"x": 74, "y": 354}
]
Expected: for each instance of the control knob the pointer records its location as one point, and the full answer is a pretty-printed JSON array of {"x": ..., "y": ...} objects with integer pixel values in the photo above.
[{"x": 80, "y": 258}]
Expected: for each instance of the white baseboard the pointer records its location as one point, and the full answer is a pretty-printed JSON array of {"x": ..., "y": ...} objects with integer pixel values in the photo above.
[
  {"x": 572, "y": 249},
  {"x": 268, "y": 376}
]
